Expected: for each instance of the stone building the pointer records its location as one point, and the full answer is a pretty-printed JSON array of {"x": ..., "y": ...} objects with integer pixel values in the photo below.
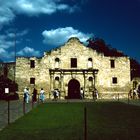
[{"x": 74, "y": 66}]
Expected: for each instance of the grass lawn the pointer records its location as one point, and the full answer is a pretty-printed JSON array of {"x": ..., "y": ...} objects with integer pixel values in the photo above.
[{"x": 65, "y": 121}]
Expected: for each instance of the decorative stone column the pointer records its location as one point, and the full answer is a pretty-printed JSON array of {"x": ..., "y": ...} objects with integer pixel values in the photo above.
[
  {"x": 51, "y": 84},
  {"x": 62, "y": 84},
  {"x": 85, "y": 82}
]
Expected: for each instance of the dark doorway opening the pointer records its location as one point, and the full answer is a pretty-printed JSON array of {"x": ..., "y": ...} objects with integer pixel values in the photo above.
[{"x": 74, "y": 89}]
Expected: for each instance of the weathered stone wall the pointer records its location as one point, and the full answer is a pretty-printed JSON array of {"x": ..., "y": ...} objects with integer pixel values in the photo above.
[
  {"x": 74, "y": 49},
  {"x": 106, "y": 73}
]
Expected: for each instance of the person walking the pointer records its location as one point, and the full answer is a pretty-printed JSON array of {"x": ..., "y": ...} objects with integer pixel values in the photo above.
[{"x": 25, "y": 94}]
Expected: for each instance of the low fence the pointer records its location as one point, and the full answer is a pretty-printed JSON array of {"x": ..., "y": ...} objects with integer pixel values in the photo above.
[{"x": 12, "y": 110}]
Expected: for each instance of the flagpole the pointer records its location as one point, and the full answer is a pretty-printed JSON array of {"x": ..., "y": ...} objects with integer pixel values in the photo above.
[{"x": 15, "y": 61}]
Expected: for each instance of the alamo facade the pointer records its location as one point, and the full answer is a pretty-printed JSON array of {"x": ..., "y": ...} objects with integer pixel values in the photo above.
[{"x": 74, "y": 66}]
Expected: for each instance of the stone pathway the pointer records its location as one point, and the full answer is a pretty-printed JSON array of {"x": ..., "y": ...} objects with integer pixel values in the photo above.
[{"x": 16, "y": 111}]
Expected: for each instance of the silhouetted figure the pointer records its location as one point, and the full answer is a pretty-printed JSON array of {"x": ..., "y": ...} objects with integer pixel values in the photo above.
[
  {"x": 55, "y": 94},
  {"x": 95, "y": 94},
  {"x": 25, "y": 94},
  {"x": 130, "y": 93},
  {"x": 34, "y": 96}
]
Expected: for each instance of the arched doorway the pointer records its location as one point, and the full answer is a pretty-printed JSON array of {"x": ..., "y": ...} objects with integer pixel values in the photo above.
[{"x": 74, "y": 89}]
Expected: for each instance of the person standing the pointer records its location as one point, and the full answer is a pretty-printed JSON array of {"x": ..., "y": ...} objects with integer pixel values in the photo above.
[
  {"x": 27, "y": 95},
  {"x": 96, "y": 93},
  {"x": 134, "y": 93},
  {"x": 81, "y": 93},
  {"x": 34, "y": 96},
  {"x": 138, "y": 91},
  {"x": 57, "y": 94},
  {"x": 42, "y": 95},
  {"x": 54, "y": 94}
]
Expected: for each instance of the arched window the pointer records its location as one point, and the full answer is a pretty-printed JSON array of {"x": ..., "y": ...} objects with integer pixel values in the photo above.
[
  {"x": 90, "y": 79},
  {"x": 90, "y": 59},
  {"x": 57, "y": 78},
  {"x": 57, "y": 63},
  {"x": 90, "y": 65},
  {"x": 57, "y": 59}
]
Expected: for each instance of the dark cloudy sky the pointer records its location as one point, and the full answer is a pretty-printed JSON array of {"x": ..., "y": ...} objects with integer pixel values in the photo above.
[{"x": 41, "y": 25}]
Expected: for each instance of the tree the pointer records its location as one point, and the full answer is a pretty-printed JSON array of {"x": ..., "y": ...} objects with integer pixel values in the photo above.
[
  {"x": 5, "y": 70},
  {"x": 135, "y": 68},
  {"x": 100, "y": 46}
]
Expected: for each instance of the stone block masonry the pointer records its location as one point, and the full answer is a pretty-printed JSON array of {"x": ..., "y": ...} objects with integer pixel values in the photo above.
[{"x": 75, "y": 65}]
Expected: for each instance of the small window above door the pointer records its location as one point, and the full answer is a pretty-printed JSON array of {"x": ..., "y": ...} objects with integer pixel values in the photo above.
[{"x": 73, "y": 62}]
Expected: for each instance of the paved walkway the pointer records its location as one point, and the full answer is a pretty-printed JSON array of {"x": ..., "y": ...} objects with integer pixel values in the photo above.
[{"x": 16, "y": 111}]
